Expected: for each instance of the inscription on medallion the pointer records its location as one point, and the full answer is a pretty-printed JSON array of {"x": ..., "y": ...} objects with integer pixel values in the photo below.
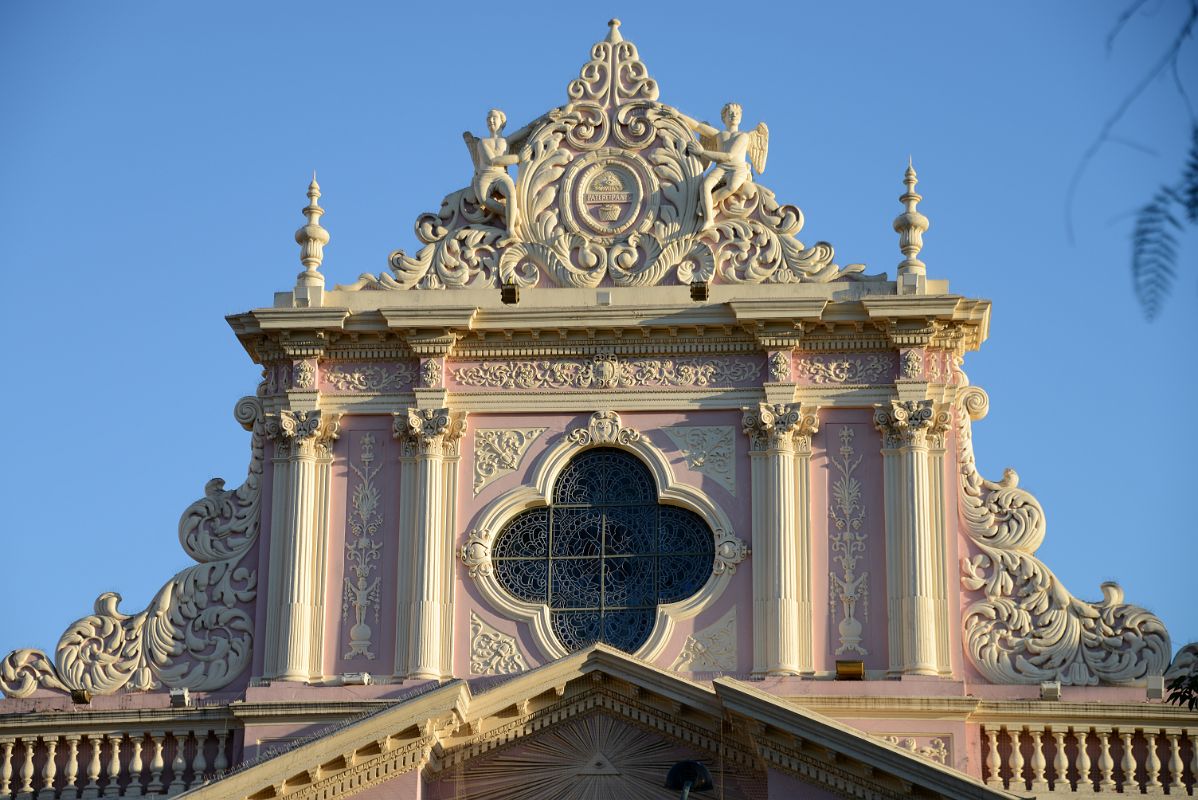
[{"x": 608, "y": 193}]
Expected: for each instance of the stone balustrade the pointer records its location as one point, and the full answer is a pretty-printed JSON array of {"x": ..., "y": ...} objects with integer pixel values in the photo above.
[
  {"x": 111, "y": 764},
  {"x": 1083, "y": 759}
]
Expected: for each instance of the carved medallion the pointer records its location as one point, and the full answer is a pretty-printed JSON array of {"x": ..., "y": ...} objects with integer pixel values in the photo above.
[{"x": 608, "y": 193}]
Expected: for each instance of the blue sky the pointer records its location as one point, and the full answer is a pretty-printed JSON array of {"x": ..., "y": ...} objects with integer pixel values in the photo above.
[{"x": 155, "y": 158}]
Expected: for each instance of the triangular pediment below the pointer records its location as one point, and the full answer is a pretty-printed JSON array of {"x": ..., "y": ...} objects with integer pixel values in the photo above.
[{"x": 595, "y": 724}]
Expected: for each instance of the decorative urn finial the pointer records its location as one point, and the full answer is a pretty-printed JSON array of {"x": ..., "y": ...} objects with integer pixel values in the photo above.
[
  {"x": 910, "y": 226},
  {"x": 312, "y": 238}
]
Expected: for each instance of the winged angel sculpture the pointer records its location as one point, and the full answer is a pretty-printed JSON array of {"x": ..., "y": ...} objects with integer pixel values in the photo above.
[
  {"x": 491, "y": 158},
  {"x": 726, "y": 150}
]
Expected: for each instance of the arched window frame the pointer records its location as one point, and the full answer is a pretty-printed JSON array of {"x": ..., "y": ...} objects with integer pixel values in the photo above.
[{"x": 604, "y": 429}]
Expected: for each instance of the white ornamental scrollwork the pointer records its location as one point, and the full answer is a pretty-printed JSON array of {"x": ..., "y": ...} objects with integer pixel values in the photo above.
[
  {"x": 779, "y": 366},
  {"x": 493, "y": 652},
  {"x": 709, "y": 450},
  {"x": 846, "y": 511},
  {"x": 866, "y": 369},
  {"x": 305, "y": 374},
  {"x": 498, "y": 452},
  {"x": 609, "y": 372},
  {"x": 398, "y": 376},
  {"x": 911, "y": 364},
  {"x": 476, "y": 553},
  {"x": 196, "y": 633},
  {"x": 604, "y": 427},
  {"x": 729, "y": 551},
  {"x": 360, "y": 594},
  {"x": 608, "y": 189},
  {"x": 712, "y": 649},
  {"x": 1026, "y": 627},
  {"x": 934, "y": 748}
]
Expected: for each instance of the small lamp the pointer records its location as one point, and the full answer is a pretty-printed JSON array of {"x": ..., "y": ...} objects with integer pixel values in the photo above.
[{"x": 688, "y": 776}]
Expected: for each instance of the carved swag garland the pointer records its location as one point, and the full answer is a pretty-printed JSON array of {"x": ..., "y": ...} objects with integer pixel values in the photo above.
[{"x": 196, "y": 633}]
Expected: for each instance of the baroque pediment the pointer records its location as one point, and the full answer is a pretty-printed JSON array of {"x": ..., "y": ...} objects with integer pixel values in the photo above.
[{"x": 612, "y": 188}]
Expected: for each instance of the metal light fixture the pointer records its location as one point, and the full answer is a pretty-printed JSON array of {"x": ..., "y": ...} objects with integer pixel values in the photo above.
[
  {"x": 687, "y": 777},
  {"x": 509, "y": 293},
  {"x": 700, "y": 291},
  {"x": 81, "y": 697}
]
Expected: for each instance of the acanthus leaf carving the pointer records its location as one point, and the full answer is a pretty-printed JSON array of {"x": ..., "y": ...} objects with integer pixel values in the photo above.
[
  {"x": 780, "y": 426},
  {"x": 499, "y": 451},
  {"x": 865, "y": 369},
  {"x": 493, "y": 652},
  {"x": 430, "y": 431},
  {"x": 712, "y": 649},
  {"x": 709, "y": 450},
  {"x": 908, "y": 423},
  {"x": 397, "y": 376},
  {"x": 196, "y": 633},
  {"x": 1026, "y": 627},
  {"x": 604, "y": 427}
]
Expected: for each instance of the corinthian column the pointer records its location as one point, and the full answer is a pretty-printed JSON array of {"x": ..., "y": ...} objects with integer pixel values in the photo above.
[
  {"x": 780, "y": 459},
  {"x": 429, "y": 438},
  {"x": 915, "y": 546},
  {"x": 298, "y": 533}
]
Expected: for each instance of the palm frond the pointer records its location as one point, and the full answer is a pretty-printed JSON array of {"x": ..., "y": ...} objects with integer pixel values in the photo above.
[
  {"x": 1154, "y": 250},
  {"x": 1189, "y": 181}
]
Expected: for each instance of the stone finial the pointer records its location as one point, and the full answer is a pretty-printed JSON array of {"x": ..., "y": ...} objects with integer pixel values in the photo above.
[
  {"x": 312, "y": 238},
  {"x": 613, "y": 31},
  {"x": 910, "y": 226}
]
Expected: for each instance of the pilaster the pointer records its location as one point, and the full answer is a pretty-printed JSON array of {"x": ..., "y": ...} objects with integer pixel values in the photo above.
[
  {"x": 430, "y": 439},
  {"x": 780, "y": 457},
  {"x": 299, "y": 532},
  {"x": 913, "y": 473}
]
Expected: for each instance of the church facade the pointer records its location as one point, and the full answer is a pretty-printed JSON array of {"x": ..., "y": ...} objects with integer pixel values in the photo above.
[{"x": 613, "y": 472}]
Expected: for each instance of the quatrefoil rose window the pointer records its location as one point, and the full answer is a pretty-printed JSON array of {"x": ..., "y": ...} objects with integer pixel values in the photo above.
[{"x": 604, "y": 553}]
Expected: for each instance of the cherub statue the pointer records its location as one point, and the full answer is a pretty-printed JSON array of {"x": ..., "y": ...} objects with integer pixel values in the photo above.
[
  {"x": 491, "y": 160},
  {"x": 726, "y": 151}
]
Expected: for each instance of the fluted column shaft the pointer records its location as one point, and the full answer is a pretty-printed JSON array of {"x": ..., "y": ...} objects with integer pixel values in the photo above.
[
  {"x": 780, "y": 453},
  {"x": 299, "y": 518},
  {"x": 429, "y": 440},
  {"x": 916, "y": 587}
]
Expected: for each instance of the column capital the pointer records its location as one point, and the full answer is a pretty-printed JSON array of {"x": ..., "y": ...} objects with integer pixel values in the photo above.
[
  {"x": 303, "y": 432},
  {"x": 912, "y": 423},
  {"x": 429, "y": 431},
  {"x": 780, "y": 426}
]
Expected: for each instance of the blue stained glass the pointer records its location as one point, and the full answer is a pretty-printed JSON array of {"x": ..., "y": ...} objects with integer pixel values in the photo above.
[{"x": 605, "y": 553}]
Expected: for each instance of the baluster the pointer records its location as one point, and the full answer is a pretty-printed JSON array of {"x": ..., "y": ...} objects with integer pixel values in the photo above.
[
  {"x": 135, "y": 766},
  {"x": 113, "y": 789},
  {"x": 49, "y": 769},
  {"x": 222, "y": 760},
  {"x": 1017, "y": 780},
  {"x": 27, "y": 768},
  {"x": 1084, "y": 781},
  {"x": 1152, "y": 764},
  {"x": 6, "y": 746},
  {"x": 1106, "y": 764},
  {"x": 993, "y": 763},
  {"x": 199, "y": 764},
  {"x": 1060, "y": 763},
  {"x": 1193, "y": 758},
  {"x": 1128, "y": 763},
  {"x": 1176, "y": 779},
  {"x": 178, "y": 764},
  {"x": 1039, "y": 783},
  {"x": 71, "y": 774},
  {"x": 158, "y": 738},
  {"x": 93, "y": 768}
]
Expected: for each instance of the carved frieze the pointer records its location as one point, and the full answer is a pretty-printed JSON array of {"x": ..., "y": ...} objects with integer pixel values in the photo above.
[
  {"x": 610, "y": 372},
  {"x": 933, "y": 748},
  {"x": 493, "y": 652},
  {"x": 498, "y": 451},
  {"x": 712, "y": 649},
  {"x": 360, "y": 592},
  {"x": 196, "y": 633},
  {"x": 349, "y": 378},
  {"x": 304, "y": 374},
  {"x": 1026, "y": 627},
  {"x": 848, "y": 536},
  {"x": 431, "y": 370},
  {"x": 845, "y": 369},
  {"x": 709, "y": 450}
]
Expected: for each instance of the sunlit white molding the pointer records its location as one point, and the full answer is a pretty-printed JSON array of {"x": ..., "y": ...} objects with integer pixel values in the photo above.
[
  {"x": 1026, "y": 627},
  {"x": 780, "y": 475},
  {"x": 604, "y": 429}
]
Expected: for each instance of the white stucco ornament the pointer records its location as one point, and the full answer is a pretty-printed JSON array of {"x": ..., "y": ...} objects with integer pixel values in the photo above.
[
  {"x": 611, "y": 188},
  {"x": 1026, "y": 627},
  {"x": 197, "y": 632}
]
